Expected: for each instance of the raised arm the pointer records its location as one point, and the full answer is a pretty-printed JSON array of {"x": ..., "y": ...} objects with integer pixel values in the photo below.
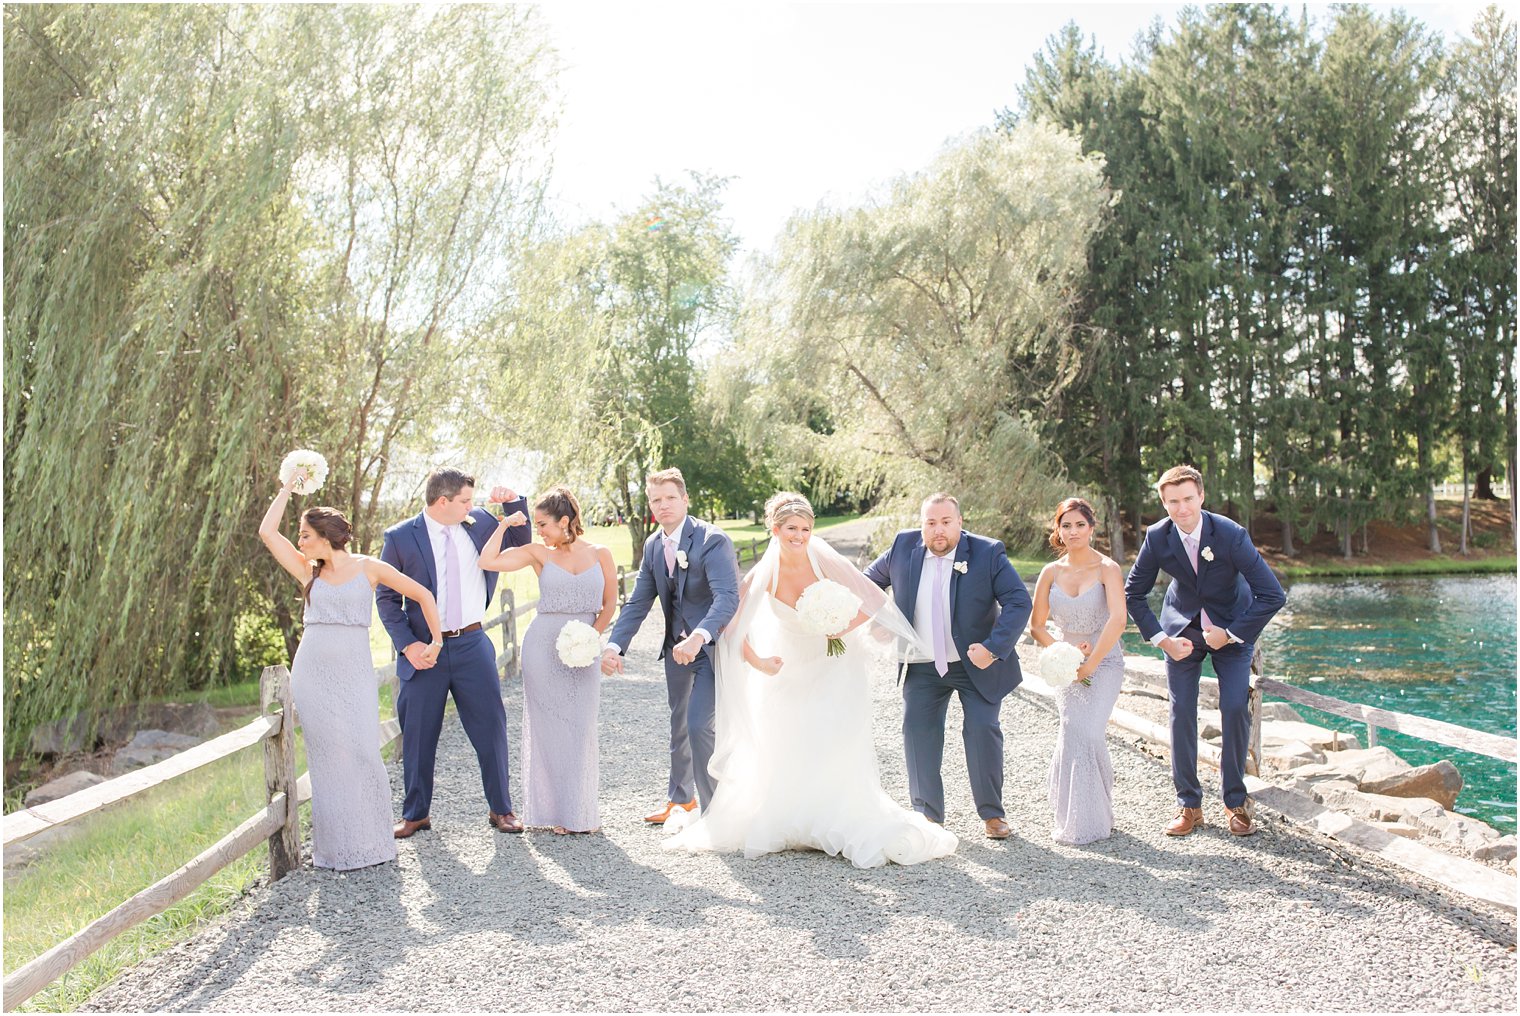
[
  {"x": 285, "y": 552},
  {"x": 1013, "y": 596},
  {"x": 1138, "y": 586},
  {"x": 494, "y": 558},
  {"x": 723, "y": 579}
]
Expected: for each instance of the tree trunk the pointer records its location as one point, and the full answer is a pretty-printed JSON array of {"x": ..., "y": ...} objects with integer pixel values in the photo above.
[
  {"x": 1115, "y": 531},
  {"x": 1435, "y": 531},
  {"x": 1287, "y": 537},
  {"x": 1466, "y": 506},
  {"x": 1485, "y": 485},
  {"x": 1346, "y": 534}
]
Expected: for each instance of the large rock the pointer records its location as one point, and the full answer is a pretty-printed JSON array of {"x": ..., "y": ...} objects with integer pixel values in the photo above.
[
  {"x": 1439, "y": 782},
  {"x": 62, "y": 787},
  {"x": 1465, "y": 835},
  {"x": 148, "y": 747},
  {"x": 1358, "y": 765},
  {"x": 1279, "y": 711},
  {"x": 1284, "y": 731},
  {"x": 1289, "y": 755},
  {"x": 84, "y": 731},
  {"x": 1502, "y": 849}
]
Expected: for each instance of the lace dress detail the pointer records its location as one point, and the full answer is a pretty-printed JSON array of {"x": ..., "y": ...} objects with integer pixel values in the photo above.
[
  {"x": 560, "y": 706},
  {"x": 1081, "y": 772},
  {"x": 337, "y": 698},
  {"x": 807, "y": 777}
]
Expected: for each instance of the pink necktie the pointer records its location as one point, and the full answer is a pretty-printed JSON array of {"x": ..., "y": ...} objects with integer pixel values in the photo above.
[
  {"x": 937, "y": 614},
  {"x": 670, "y": 555},
  {"x": 453, "y": 584},
  {"x": 1192, "y": 549}
]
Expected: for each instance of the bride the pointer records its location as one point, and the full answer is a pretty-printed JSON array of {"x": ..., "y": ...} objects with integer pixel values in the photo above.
[{"x": 795, "y": 761}]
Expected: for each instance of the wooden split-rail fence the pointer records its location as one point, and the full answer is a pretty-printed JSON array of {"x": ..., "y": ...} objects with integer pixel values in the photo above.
[{"x": 278, "y": 824}]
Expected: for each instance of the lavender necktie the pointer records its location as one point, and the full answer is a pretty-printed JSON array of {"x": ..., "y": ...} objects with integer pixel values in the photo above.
[
  {"x": 670, "y": 555},
  {"x": 453, "y": 584},
  {"x": 937, "y": 613},
  {"x": 1191, "y": 543}
]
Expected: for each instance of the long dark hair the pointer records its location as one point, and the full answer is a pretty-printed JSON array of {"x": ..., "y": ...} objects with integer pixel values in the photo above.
[{"x": 332, "y": 525}]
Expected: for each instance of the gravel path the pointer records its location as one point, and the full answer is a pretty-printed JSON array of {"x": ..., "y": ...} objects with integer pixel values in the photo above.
[{"x": 470, "y": 919}]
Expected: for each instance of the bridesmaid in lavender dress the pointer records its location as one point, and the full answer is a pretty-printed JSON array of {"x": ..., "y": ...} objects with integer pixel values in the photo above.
[
  {"x": 332, "y": 680},
  {"x": 1083, "y": 592},
  {"x": 576, "y": 582}
]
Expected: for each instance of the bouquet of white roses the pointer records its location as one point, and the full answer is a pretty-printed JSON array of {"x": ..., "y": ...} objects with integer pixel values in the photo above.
[
  {"x": 1058, "y": 664},
  {"x": 578, "y": 644},
  {"x": 312, "y": 464},
  {"x": 827, "y": 608}
]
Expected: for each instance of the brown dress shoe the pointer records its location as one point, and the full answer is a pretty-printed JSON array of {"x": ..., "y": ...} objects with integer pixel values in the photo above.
[
  {"x": 1186, "y": 821},
  {"x": 659, "y": 817},
  {"x": 997, "y": 829},
  {"x": 407, "y": 827},
  {"x": 1239, "y": 821},
  {"x": 508, "y": 823}
]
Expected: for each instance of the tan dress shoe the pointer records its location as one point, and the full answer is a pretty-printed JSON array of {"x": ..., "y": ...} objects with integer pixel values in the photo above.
[
  {"x": 508, "y": 823},
  {"x": 659, "y": 817},
  {"x": 997, "y": 829},
  {"x": 1238, "y": 820},
  {"x": 1186, "y": 821},
  {"x": 406, "y": 827}
]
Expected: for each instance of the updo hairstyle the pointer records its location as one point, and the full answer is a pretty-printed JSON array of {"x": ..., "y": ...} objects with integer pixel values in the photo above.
[
  {"x": 1071, "y": 504},
  {"x": 783, "y": 505},
  {"x": 558, "y": 504}
]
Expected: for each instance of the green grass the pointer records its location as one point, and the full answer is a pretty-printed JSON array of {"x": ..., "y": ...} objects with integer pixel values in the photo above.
[
  {"x": 117, "y": 853},
  {"x": 1428, "y": 566}
]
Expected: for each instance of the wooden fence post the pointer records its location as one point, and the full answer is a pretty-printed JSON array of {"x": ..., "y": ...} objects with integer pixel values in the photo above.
[
  {"x": 1253, "y": 702},
  {"x": 509, "y": 634},
  {"x": 280, "y": 771}
]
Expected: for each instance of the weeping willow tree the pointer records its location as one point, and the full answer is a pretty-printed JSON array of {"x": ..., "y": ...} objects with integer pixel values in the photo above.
[
  {"x": 903, "y": 346},
  {"x": 229, "y": 231},
  {"x": 610, "y": 384}
]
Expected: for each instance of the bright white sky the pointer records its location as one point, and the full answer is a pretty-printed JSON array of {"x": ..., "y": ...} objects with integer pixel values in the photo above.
[{"x": 803, "y": 103}]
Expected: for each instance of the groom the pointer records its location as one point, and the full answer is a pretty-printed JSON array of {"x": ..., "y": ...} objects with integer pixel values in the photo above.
[
  {"x": 690, "y": 565},
  {"x": 440, "y": 548},
  {"x": 1222, "y": 595},
  {"x": 965, "y": 600}
]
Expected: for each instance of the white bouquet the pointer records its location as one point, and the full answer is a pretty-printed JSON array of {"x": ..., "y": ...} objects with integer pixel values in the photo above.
[
  {"x": 307, "y": 461},
  {"x": 1058, "y": 664},
  {"x": 578, "y": 644},
  {"x": 827, "y": 608}
]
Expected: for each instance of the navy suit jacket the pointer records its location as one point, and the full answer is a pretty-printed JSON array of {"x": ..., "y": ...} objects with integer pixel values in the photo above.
[
  {"x": 1237, "y": 587},
  {"x": 989, "y": 603},
  {"x": 408, "y": 547},
  {"x": 703, "y": 595}
]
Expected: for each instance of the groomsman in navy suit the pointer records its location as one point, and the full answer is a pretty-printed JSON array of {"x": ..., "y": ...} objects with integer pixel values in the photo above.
[
  {"x": 965, "y": 600},
  {"x": 1222, "y": 595},
  {"x": 440, "y": 548}
]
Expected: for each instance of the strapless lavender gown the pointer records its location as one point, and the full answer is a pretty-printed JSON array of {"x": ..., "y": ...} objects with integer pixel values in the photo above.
[
  {"x": 337, "y": 696},
  {"x": 560, "y": 706},
  {"x": 1081, "y": 772}
]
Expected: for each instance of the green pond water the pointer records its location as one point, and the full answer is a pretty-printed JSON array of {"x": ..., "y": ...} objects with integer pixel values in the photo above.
[{"x": 1441, "y": 647}]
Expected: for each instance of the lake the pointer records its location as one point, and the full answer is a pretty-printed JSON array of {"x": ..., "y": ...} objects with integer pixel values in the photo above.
[{"x": 1442, "y": 647}]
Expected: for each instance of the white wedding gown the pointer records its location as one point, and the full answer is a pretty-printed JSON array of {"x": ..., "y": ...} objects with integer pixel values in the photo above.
[{"x": 795, "y": 759}]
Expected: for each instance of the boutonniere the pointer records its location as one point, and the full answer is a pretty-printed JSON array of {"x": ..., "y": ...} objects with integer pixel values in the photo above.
[
  {"x": 1207, "y": 553},
  {"x": 469, "y": 520},
  {"x": 681, "y": 559},
  {"x": 960, "y": 566}
]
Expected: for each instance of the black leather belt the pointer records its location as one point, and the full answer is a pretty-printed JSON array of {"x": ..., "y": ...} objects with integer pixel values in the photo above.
[{"x": 466, "y": 628}]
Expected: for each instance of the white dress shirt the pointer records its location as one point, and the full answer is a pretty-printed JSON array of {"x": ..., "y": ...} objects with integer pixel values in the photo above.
[
  {"x": 923, "y": 605},
  {"x": 472, "y": 581}
]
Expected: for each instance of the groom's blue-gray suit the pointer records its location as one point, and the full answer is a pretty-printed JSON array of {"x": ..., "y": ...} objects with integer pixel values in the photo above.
[
  {"x": 466, "y": 667},
  {"x": 1240, "y": 594},
  {"x": 989, "y": 604},
  {"x": 704, "y": 594}
]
